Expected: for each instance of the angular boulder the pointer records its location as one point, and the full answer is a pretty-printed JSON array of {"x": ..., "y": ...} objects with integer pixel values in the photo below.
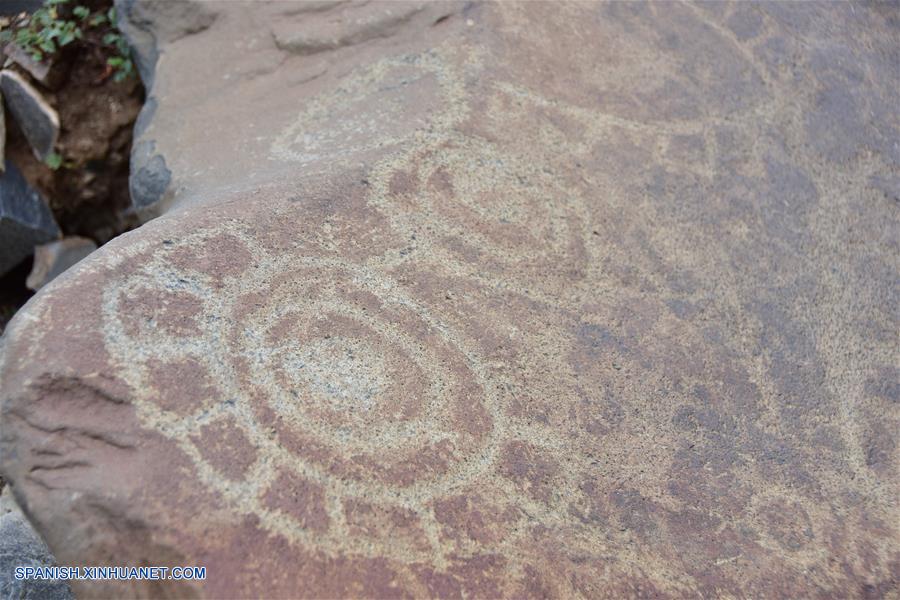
[
  {"x": 25, "y": 218},
  {"x": 37, "y": 119},
  {"x": 14, "y": 7},
  {"x": 510, "y": 299}
]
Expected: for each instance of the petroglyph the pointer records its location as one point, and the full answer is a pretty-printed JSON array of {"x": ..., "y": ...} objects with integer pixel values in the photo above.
[
  {"x": 555, "y": 300},
  {"x": 381, "y": 397}
]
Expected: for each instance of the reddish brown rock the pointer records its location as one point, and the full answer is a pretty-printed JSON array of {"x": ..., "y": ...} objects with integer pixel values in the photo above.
[{"x": 518, "y": 300}]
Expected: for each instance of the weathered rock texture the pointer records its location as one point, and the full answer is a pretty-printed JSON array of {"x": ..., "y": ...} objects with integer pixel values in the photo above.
[
  {"x": 20, "y": 546},
  {"x": 531, "y": 299}
]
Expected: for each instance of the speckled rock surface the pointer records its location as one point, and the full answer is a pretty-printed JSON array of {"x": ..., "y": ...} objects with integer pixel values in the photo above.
[
  {"x": 20, "y": 546},
  {"x": 500, "y": 300}
]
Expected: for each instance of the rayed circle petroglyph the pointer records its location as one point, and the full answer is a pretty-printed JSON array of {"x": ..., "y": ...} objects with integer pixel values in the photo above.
[{"x": 416, "y": 415}]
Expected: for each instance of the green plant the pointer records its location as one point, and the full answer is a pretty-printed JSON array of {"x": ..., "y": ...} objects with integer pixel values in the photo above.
[
  {"x": 121, "y": 61},
  {"x": 44, "y": 32},
  {"x": 54, "y": 160},
  {"x": 57, "y": 24}
]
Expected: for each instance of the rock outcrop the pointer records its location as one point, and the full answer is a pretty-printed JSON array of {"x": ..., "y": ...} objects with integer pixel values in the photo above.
[{"x": 531, "y": 299}]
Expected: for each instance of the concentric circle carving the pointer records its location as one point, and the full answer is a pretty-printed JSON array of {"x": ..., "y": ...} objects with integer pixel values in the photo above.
[{"x": 325, "y": 372}]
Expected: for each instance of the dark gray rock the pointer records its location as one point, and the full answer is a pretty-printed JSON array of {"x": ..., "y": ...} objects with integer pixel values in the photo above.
[
  {"x": 14, "y": 7},
  {"x": 141, "y": 40},
  {"x": 150, "y": 176},
  {"x": 38, "y": 120},
  {"x": 145, "y": 116},
  {"x": 20, "y": 546},
  {"x": 25, "y": 219},
  {"x": 146, "y": 25}
]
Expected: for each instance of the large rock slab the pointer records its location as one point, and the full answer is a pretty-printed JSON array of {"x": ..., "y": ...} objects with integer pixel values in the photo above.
[{"x": 507, "y": 300}]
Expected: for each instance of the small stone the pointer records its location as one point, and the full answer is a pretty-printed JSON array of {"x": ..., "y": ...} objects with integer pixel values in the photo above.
[
  {"x": 52, "y": 259},
  {"x": 37, "y": 69},
  {"x": 20, "y": 546},
  {"x": 38, "y": 120},
  {"x": 49, "y": 74},
  {"x": 25, "y": 219}
]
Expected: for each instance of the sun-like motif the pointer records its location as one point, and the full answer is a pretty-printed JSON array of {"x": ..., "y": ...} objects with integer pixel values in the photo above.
[{"x": 319, "y": 370}]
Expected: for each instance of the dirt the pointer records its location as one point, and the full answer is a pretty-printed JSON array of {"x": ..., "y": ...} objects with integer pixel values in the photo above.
[
  {"x": 13, "y": 293},
  {"x": 89, "y": 193}
]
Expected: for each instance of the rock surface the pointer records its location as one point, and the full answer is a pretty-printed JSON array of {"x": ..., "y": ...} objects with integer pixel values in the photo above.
[
  {"x": 25, "y": 219},
  {"x": 53, "y": 259},
  {"x": 148, "y": 24},
  {"x": 491, "y": 300},
  {"x": 37, "y": 119},
  {"x": 20, "y": 546}
]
